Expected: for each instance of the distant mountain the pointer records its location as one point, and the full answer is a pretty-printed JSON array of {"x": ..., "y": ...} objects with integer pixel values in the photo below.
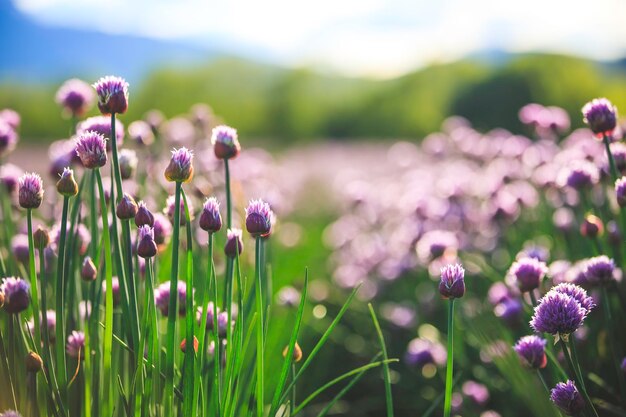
[{"x": 34, "y": 52}]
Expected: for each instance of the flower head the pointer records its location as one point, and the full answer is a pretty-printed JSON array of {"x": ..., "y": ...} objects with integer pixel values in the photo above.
[
  {"x": 577, "y": 293},
  {"x": 10, "y": 413},
  {"x": 532, "y": 351},
  {"x": 210, "y": 219},
  {"x": 16, "y": 294},
  {"x": 579, "y": 175},
  {"x": 102, "y": 125},
  {"x": 75, "y": 346},
  {"x": 91, "y": 149},
  {"x": 620, "y": 191},
  {"x": 601, "y": 116},
  {"x": 258, "y": 218},
  {"x": 30, "y": 188},
  {"x": 88, "y": 271},
  {"x": 112, "y": 94},
  {"x": 146, "y": 246},
  {"x": 234, "y": 243},
  {"x": 592, "y": 226},
  {"x": 225, "y": 142},
  {"x": 421, "y": 352},
  {"x": 141, "y": 133},
  {"x": 452, "y": 284},
  {"x": 67, "y": 186},
  {"x": 162, "y": 297},
  {"x": 528, "y": 273},
  {"x": 170, "y": 207},
  {"x": 180, "y": 168},
  {"x": 599, "y": 270},
  {"x": 75, "y": 96},
  {"x": 128, "y": 163},
  {"x": 8, "y": 138},
  {"x": 558, "y": 314},
  {"x": 127, "y": 208},
  {"x": 33, "y": 362},
  {"x": 144, "y": 216},
  {"x": 162, "y": 229},
  {"x": 211, "y": 312},
  {"x": 567, "y": 398},
  {"x": 510, "y": 310}
]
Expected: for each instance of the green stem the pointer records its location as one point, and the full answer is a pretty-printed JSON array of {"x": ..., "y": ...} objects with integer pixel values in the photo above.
[
  {"x": 60, "y": 303},
  {"x": 260, "y": 324},
  {"x": 577, "y": 377},
  {"x": 229, "y": 208},
  {"x": 33, "y": 281},
  {"x": 6, "y": 363},
  {"x": 448, "y": 401},
  {"x": 609, "y": 154},
  {"x": 109, "y": 381},
  {"x": 172, "y": 313}
]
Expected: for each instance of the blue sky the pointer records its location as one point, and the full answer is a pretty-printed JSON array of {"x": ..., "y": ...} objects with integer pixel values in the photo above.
[{"x": 379, "y": 38}]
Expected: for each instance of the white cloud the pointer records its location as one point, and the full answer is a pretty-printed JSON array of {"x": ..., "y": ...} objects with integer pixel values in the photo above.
[{"x": 381, "y": 37}]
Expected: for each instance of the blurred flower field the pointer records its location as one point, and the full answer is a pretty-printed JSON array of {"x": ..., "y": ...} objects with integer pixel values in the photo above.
[{"x": 470, "y": 273}]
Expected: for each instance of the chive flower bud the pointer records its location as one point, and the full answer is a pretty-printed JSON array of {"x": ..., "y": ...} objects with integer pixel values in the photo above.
[
  {"x": 234, "y": 243},
  {"x": 33, "y": 362},
  {"x": 128, "y": 163},
  {"x": 91, "y": 149},
  {"x": 567, "y": 398},
  {"x": 41, "y": 237},
  {"x": 127, "y": 208},
  {"x": 183, "y": 345},
  {"x": 532, "y": 351},
  {"x": 144, "y": 216},
  {"x": 146, "y": 246},
  {"x": 528, "y": 273},
  {"x": 75, "y": 346},
  {"x": 297, "y": 352},
  {"x": 592, "y": 226},
  {"x": 88, "y": 272},
  {"x": 258, "y": 218},
  {"x": 452, "y": 284},
  {"x": 180, "y": 168},
  {"x": 112, "y": 94},
  {"x": 620, "y": 191},
  {"x": 67, "y": 185},
  {"x": 16, "y": 294},
  {"x": 225, "y": 142},
  {"x": 210, "y": 219},
  {"x": 75, "y": 96},
  {"x": 601, "y": 116},
  {"x": 30, "y": 188}
]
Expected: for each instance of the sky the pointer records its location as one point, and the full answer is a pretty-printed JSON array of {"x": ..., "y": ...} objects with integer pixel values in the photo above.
[{"x": 380, "y": 38}]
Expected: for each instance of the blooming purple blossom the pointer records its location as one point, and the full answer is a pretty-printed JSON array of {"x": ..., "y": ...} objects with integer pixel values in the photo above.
[
  {"x": 558, "y": 314},
  {"x": 528, "y": 273},
  {"x": 565, "y": 395},
  {"x": 16, "y": 294},
  {"x": 8, "y": 138},
  {"x": 532, "y": 351},
  {"x": 210, "y": 219},
  {"x": 91, "y": 149},
  {"x": 258, "y": 218},
  {"x": 577, "y": 293},
  {"x": 601, "y": 116},
  {"x": 102, "y": 125},
  {"x": 30, "y": 187},
  {"x": 180, "y": 168},
  {"x": 75, "y": 346},
  {"x": 421, "y": 352},
  {"x": 452, "y": 284},
  {"x": 162, "y": 297},
  {"x": 112, "y": 94},
  {"x": 225, "y": 142},
  {"x": 75, "y": 96},
  {"x": 580, "y": 175},
  {"x": 599, "y": 270}
]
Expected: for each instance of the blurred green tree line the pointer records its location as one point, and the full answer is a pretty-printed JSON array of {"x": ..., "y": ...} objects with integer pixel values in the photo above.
[{"x": 274, "y": 103}]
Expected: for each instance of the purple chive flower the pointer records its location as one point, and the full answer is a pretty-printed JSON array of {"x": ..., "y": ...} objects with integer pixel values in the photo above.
[
  {"x": 50, "y": 322},
  {"x": 112, "y": 94},
  {"x": 567, "y": 398},
  {"x": 91, "y": 149},
  {"x": 225, "y": 142},
  {"x": 8, "y": 138},
  {"x": 10, "y": 413},
  {"x": 435, "y": 243},
  {"x": 75, "y": 96},
  {"x": 88, "y": 271},
  {"x": 9, "y": 175},
  {"x": 620, "y": 191},
  {"x": 141, "y": 133},
  {"x": 30, "y": 187},
  {"x": 510, "y": 310},
  {"x": 170, "y": 206},
  {"x": 162, "y": 297},
  {"x": 234, "y": 243},
  {"x": 210, "y": 219},
  {"x": 127, "y": 208},
  {"x": 211, "y": 311},
  {"x": 577, "y": 293},
  {"x": 180, "y": 168},
  {"x": 601, "y": 116},
  {"x": 11, "y": 117},
  {"x": 115, "y": 284},
  {"x": 144, "y": 216},
  {"x": 528, "y": 273},
  {"x": 452, "y": 284},
  {"x": 421, "y": 352},
  {"x": 128, "y": 163},
  {"x": 580, "y": 175},
  {"x": 16, "y": 294},
  {"x": 67, "y": 186},
  {"x": 599, "y": 270},
  {"x": 558, "y": 314},
  {"x": 102, "y": 125},
  {"x": 498, "y": 292},
  {"x": 532, "y": 351},
  {"x": 222, "y": 323},
  {"x": 258, "y": 218},
  {"x": 146, "y": 246},
  {"x": 592, "y": 226},
  {"x": 162, "y": 229},
  {"x": 478, "y": 393},
  {"x": 75, "y": 346}
]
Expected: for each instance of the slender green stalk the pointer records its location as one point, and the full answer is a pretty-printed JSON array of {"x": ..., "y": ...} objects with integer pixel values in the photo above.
[
  {"x": 577, "y": 377},
  {"x": 33, "y": 280},
  {"x": 609, "y": 154},
  {"x": 229, "y": 207},
  {"x": 448, "y": 401},
  {"x": 60, "y": 303},
  {"x": 6, "y": 364},
  {"x": 173, "y": 307},
  {"x": 260, "y": 373},
  {"x": 189, "y": 380},
  {"x": 381, "y": 339},
  {"x": 108, "y": 304}
]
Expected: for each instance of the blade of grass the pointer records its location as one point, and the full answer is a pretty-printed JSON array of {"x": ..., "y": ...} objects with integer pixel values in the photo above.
[{"x": 381, "y": 339}]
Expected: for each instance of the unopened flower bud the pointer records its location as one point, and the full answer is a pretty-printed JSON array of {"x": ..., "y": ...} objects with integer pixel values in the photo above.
[
  {"x": 452, "y": 284},
  {"x": 146, "y": 246},
  {"x": 592, "y": 226},
  {"x": 30, "y": 187},
  {"x": 234, "y": 243},
  {"x": 88, "y": 272},
  {"x": 180, "y": 168},
  {"x": 112, "y": 94},
  {"x": 258, "y": 218},
  {"x": 33, "y": 362},
  {"x": 41, "y": 237},
  {"x": 601, "y": 116},
  {"x": 210, "y": 219},
  {"x": 183, "y": 344},
  {"x": 126, "y": 208},
  {"x": 128, "y": 163},
  {"x": 144, "y": 216},
  {"x": 225, "y": 142},
  {"x": 297, "y": 352},
  {"x": 67, "y": 186}
]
